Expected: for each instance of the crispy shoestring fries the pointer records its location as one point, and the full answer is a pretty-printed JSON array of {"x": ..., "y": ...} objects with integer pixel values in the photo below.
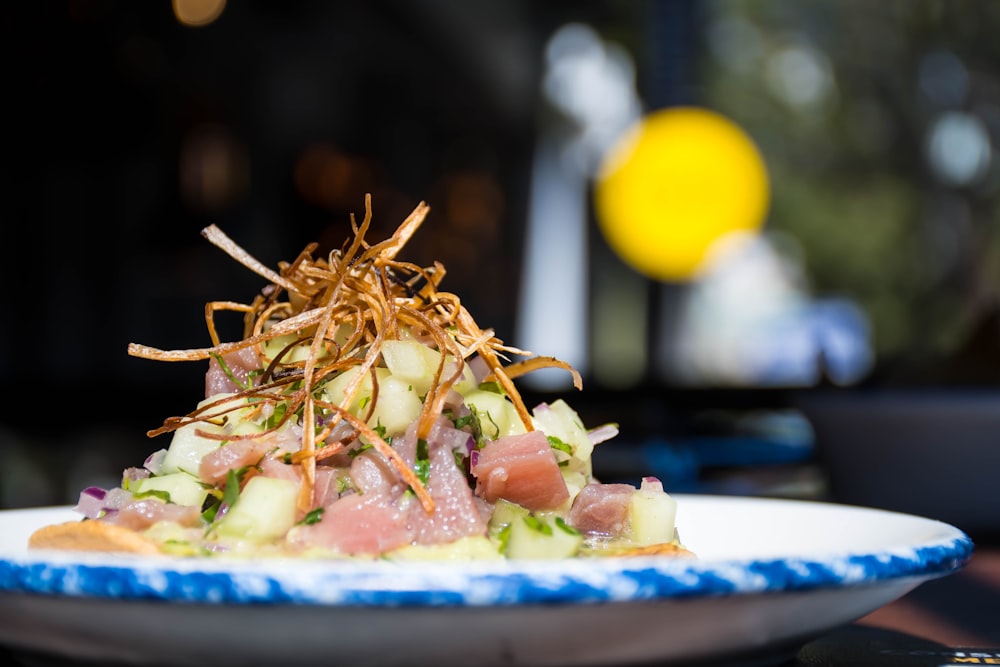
[{"x": 345, "y": 307}]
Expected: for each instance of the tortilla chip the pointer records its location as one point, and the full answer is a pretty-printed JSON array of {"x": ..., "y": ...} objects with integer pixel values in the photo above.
[
  {"x": 666, "y": 549},
  {"x": 91, "y": 536}
]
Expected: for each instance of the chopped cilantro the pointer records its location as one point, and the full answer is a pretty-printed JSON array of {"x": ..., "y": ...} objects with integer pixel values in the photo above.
[
  {"x": 365, "y": 446},
  {"x": 313, "y": 516},
  {"x": 565, "y": 527},
  {"x": 461, "y": 422},
  {"x": 343, "y": 484},
  {"x": 279, "y": 413},
  {"x": 232, "y": 490},
  {"x": 477, "y": 426},
  {"x": 422, "y": 466},
  {"x": 493, "y": 387},
  {"x": 211, "y": 511},
  {"x": 154, "y": 493},
  {"x": 560, "y": 445},
  {"x": 538, "y": 525},
  {"x": 472, "y": 421},
  {"x": 503, "y": 537}
]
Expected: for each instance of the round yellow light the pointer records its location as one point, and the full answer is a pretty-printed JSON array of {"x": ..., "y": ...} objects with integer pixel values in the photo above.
[{"x": 677, "y": 182}]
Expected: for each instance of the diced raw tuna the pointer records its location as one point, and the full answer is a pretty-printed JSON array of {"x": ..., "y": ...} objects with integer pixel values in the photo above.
[
  {"x": 143, "y": 513},
  {"x": 372, "y": 473},
  {"x": 521, "y": 469},
  {"x": 325, "y": 486},
  {"x": 233, "y": 455},
  {"x": 382, "y": 516},
  {"x": 240, "y": 363},
  {"x": 601, "y": 509},
  {"x": 278, "y": 469},
  {"x": 359, "y": 524},
  {"x": 456, "y": 512}
]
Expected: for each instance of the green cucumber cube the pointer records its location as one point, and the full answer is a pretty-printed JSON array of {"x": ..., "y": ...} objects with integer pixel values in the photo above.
[{"x": 265, "y": 511}]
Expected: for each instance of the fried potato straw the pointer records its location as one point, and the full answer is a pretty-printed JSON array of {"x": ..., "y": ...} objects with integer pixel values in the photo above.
[{"x": 344, "y": 307}]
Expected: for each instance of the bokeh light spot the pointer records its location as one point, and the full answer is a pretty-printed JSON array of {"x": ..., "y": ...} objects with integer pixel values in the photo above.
[
  {"x": 678, "y": 181},
  {"x": 198, "y": 13}
]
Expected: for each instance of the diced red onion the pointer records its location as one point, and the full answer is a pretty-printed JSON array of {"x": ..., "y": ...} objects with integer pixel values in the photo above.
[
  {"x": 91, "y": 503},
  {"x": 651, "y": 484},
  {"x": 341, "y": 431},
  {"x": 135, "y": 474},
  {"x": 154, "y": 461},
  {"x": 456, "y": 403},
  {"x": 94, "y": 492},
  {"x": 602, "y": 433},
  {"x": 455, "y": 439},
  {"x": 479, "y": 368}
]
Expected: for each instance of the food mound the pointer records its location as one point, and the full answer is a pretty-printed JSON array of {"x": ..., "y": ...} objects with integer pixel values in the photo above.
[{"x": 366, "y": 414}]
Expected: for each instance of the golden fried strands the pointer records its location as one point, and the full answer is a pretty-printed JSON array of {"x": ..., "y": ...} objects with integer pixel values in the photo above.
[{"x": 345, "y": 306}]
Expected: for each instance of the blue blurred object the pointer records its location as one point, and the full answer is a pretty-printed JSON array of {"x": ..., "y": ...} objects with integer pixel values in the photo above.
[{"x": 680, "y": 464}]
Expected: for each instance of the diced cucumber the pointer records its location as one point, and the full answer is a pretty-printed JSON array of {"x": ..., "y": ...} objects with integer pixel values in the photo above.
[
  {"x": 468, "y": 381},
  {"x": 187, "y": 447},
  {"x": 264, "y": 511},
  {"x": 336, "y": 389},
  {"x": 415, "y": 363},
  {"x": 498, "y": 528},
  {"x": 298, "y": 353},
  {"x": 397, "y": 406},
  {"x": 505, "y": 513},
  {"x": 542, "y": 536},
  {"x": 562, "y": 421},
  {"x": 652, "y": 515},
  {"x": 183, "y": 489},
  {"x": 498, "y": 416},
  {"x": 411, "y": 361},
  {"x": 575, "y": 481}
]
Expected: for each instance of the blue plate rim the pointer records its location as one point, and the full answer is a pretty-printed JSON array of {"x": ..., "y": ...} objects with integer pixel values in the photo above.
[{"x": 354, "y": 583}]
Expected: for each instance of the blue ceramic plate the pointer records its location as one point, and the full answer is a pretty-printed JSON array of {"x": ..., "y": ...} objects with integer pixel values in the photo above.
[{"x": 769, "y": 575}]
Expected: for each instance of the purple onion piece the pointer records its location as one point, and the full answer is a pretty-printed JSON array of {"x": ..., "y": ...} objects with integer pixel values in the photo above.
[
  {"x": 94, "y": 492},
  {"x": 154, "y": 461},
  {"x": 602, "y": 433},
  {"x": 91, "y": 503},
  {"x": 651, "y": 484}
]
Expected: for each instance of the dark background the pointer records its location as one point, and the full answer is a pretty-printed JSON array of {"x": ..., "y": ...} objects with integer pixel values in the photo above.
[{"x": 128, "y": 132}]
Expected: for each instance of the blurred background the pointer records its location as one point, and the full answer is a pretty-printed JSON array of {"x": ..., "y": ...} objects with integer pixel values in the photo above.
[{"x": 844, "y": 344}]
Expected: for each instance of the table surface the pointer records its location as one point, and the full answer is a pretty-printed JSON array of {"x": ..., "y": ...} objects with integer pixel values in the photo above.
[{"x": 954, "y": 620}]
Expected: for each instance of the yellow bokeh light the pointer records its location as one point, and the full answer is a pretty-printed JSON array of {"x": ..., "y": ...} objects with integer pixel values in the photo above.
[{"x": 677, "y": 182}]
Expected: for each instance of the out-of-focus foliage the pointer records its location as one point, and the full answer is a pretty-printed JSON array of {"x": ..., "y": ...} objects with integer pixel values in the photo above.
[{"x": 880, "y": 123}]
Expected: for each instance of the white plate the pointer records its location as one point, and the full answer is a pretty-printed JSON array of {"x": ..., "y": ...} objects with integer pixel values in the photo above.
[{"x": 770, "y": 575}]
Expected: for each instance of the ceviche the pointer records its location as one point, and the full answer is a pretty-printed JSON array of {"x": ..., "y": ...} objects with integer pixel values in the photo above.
[{"x": 365, "y": 413}]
